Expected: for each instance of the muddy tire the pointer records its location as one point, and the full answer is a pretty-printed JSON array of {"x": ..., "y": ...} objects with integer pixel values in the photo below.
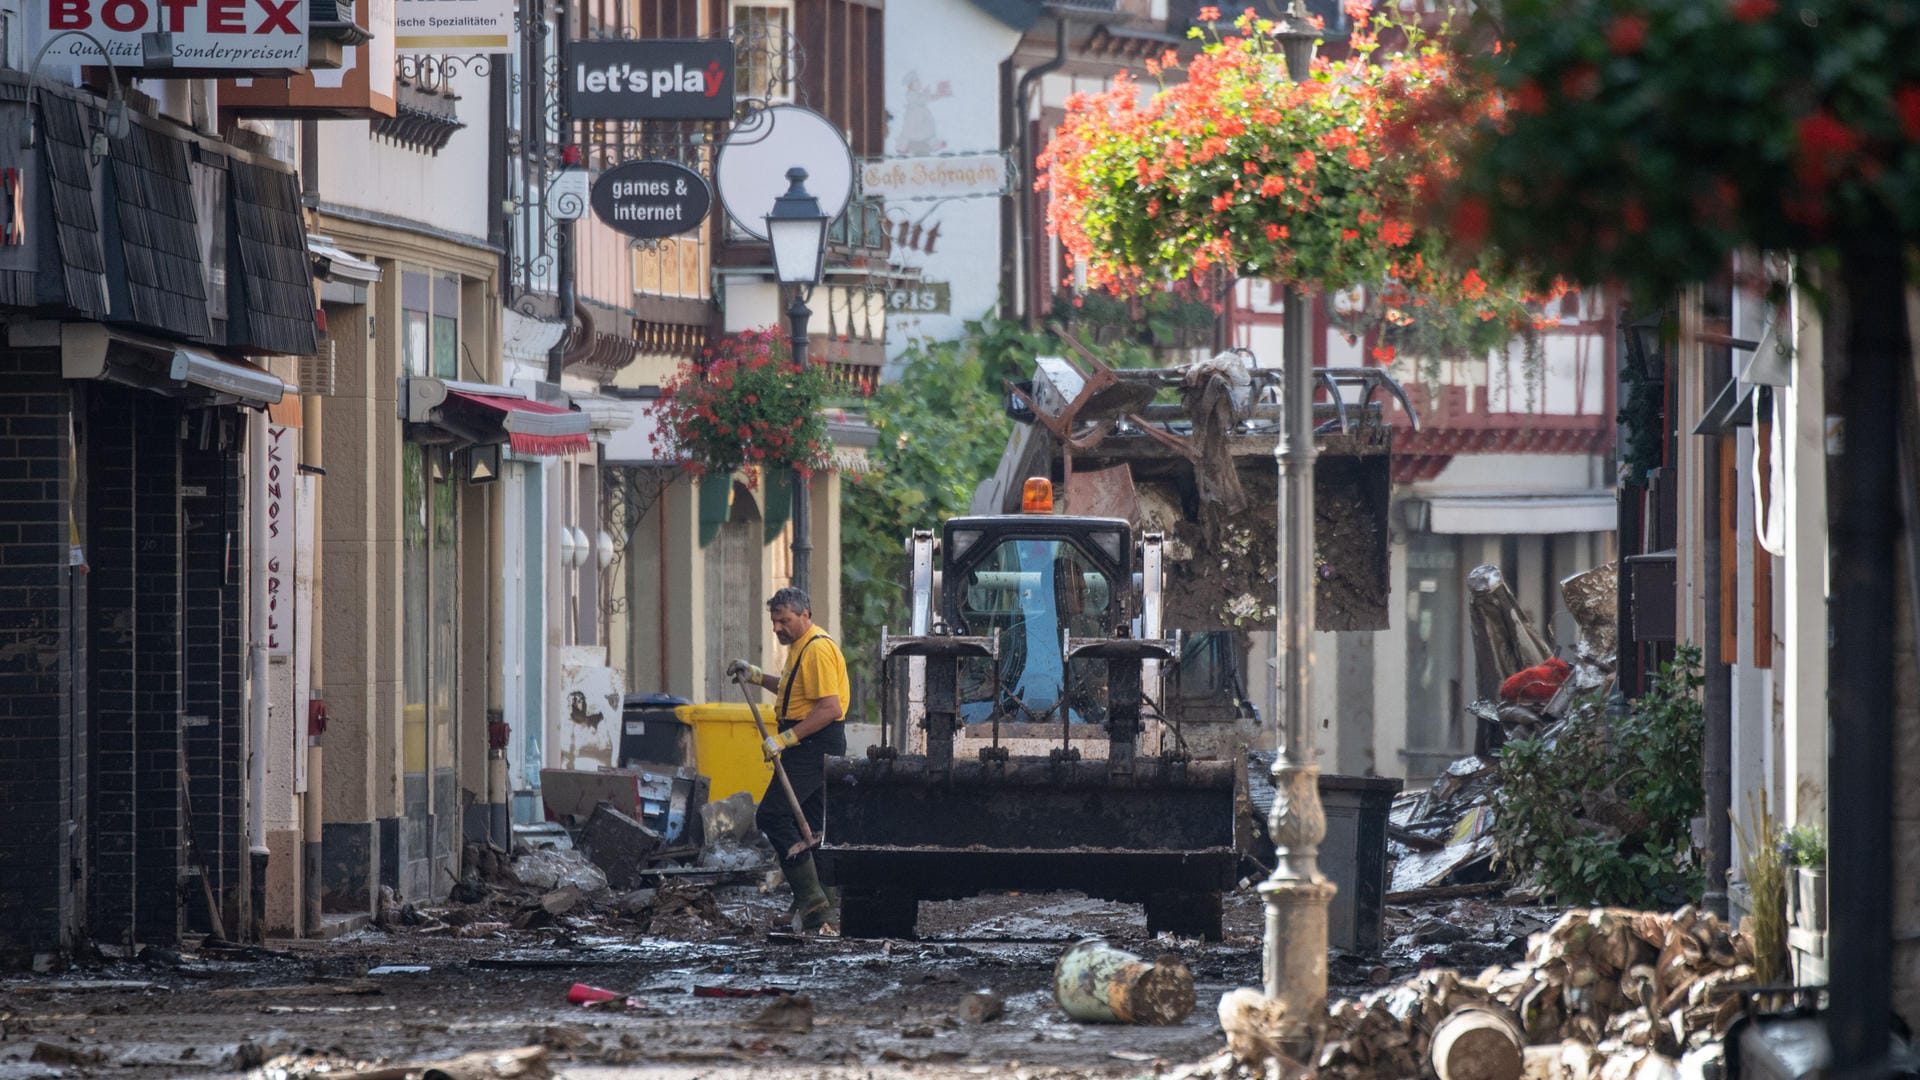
[
  {"x": 871, "y": 915},
  {"x": 1185, "y": 914}
]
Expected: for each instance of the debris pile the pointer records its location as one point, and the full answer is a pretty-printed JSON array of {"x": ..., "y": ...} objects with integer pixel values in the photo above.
[
  {"x": 1603, "y": 994},
  {"x": 1441, "y": 838},
  {"x": 1522, "y": 687}
]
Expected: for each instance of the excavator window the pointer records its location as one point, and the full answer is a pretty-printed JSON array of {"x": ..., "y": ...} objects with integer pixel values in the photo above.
[{"x": 1030, "y": 594}]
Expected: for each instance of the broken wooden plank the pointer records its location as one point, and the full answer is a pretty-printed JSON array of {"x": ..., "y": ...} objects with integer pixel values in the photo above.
[
  {"x": 1448, "y": 892},
  {"x": 356, "y": 987}
]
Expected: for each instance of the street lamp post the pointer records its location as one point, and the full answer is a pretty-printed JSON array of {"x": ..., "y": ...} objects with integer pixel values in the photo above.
[
  {"x": 1294, "y": 957},
  {"x": 797, "y": 236}
]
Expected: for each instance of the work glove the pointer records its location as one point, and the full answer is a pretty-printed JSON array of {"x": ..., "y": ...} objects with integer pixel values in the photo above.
[
  {"x": 777, "y": 742},
  {"x": 737, "y": 668}
]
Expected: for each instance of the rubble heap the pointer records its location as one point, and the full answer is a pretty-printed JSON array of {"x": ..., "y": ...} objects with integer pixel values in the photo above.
[{"x": 1605, "y": 993}]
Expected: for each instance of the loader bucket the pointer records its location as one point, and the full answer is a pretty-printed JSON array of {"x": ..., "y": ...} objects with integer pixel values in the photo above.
[{"x": 899, "y": 831}]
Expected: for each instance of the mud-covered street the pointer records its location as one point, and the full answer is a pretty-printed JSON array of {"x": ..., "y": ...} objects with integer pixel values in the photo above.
[{"x": 436, "y": 990}]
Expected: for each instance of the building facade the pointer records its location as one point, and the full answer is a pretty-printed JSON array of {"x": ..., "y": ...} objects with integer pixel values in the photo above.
[{"x": 155, "y": 287}]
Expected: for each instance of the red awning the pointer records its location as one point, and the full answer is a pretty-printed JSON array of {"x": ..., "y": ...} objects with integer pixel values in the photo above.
[{"x": 535, "y": 427}]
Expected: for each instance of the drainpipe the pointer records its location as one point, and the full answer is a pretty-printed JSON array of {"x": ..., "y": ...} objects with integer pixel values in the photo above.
[
  {"x": 310, "y": 805},
  {"x": 257, "y": 674},
  {"x": 1717, "y": 671},
  {"x": 563, "y": 247},
  {"x": 498, "y": 828},
  {"x": 1023, "y": 205}
]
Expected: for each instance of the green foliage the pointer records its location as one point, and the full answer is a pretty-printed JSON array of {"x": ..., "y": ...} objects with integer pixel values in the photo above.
[
  {"x": 1600, "y": 811},
  {"x": 1175, "y": 316},
  {"x": 941, "y": 432},
  {"x": 1805, "y": 845},
  {"x": 1643, "y": 408}
]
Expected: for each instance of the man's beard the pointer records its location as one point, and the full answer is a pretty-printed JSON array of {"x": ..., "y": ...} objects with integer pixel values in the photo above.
[{"x": 783, "y": 637}]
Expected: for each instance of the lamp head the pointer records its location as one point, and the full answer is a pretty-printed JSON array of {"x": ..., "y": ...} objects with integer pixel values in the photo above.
[
  {"x": 1297, "y": 35},
  {"x": 797, "y": 233}
]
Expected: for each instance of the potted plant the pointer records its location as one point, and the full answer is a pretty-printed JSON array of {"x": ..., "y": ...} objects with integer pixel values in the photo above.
[{"x": 1806, "y": 848}]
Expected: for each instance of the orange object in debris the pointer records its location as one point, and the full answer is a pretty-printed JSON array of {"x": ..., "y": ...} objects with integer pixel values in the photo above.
[
  {"x": 1536, "y": 685},
  {"x": 582, "y": 994},
  {"x": 1037, "y": 496}
]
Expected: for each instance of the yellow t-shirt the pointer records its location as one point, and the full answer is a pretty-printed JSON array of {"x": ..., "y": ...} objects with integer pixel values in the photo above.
[{"x": 823, "y": 673}]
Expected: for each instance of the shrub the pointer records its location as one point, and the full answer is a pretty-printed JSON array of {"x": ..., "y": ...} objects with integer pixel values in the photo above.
[
  {"x": 1601, "y": 811},
  {"x": 1805, "y": 845}
]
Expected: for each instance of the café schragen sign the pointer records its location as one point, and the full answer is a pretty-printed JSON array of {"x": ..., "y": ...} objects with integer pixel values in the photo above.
[
  {"x": 649, "y": 200},
  {"x": 662, "y": 79}
]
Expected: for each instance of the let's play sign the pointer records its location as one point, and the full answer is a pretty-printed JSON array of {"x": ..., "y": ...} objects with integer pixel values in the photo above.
[{"x": 664, "y": 79}]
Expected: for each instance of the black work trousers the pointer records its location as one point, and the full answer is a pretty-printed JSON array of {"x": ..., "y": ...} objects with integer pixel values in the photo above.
[{"x": 806, "y": 766}]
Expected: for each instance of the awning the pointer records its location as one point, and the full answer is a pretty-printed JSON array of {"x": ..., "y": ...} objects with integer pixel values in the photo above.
[
  {"x": 244, "y": 382},
  {"x": 483, "y": 413},
  {"x": 1572, "y": 512},
  {"x": 335, "y": 264},
  {"x": 535, "y": 427},
  {"x": 93, "y": 351},
  {"x": 605, "y": 414}
]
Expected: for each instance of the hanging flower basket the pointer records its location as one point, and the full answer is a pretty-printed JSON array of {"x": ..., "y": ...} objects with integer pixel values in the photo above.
[
  {"x": 745, "y": 404},
  {"x": 1318, "y": 184}
]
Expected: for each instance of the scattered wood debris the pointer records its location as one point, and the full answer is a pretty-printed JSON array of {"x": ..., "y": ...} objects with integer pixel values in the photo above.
[{"x": 1602, "y": 993}]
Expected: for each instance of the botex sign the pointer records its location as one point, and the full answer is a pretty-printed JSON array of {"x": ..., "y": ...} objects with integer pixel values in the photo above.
[
  {"x": 666, "y": 79},
  {"x": 651, "y": 199},
  {"x": 240, "y": 35}
]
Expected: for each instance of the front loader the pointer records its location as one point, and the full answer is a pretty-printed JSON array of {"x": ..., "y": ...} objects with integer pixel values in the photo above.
[{"x": 1067, "y": 709}]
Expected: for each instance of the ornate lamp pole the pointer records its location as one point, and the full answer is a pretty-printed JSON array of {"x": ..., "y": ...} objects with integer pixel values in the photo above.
[
  {"x": 797, "y": 235},
  {"x": 1295, "y": 950}
]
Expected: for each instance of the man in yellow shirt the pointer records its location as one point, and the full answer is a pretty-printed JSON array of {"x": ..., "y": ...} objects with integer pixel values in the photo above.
[{"x": 813, "y": 694}]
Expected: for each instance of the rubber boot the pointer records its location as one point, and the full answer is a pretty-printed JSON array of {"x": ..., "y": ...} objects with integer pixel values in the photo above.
[{"x": 812, "y": 909}]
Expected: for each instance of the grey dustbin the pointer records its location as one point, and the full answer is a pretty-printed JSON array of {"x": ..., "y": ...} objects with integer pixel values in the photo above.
[{"x": 1354, "y": 854}]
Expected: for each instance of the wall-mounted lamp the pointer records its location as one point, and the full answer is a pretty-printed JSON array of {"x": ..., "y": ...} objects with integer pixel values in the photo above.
[
  {"x": 483, "y": 463},
  {"x": 1645, "y": 339},
  {"x": 119, "y": 122},
  {"x": 156, "y": 50}
]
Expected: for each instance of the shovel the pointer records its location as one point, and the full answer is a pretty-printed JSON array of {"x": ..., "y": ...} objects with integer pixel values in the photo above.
[{"x": 807, "y": 839}]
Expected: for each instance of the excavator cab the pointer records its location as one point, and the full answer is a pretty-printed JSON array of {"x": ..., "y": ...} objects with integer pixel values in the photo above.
[{"x": 1029, "y": 594}]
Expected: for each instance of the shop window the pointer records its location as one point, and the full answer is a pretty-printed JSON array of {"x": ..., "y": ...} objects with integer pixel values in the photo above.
[
  {"x": 430, "y": 324},
  {"x": 12, "y": 35},
  {"x": 1434, "y": 621},
  {"x": 429, "y": 621}
]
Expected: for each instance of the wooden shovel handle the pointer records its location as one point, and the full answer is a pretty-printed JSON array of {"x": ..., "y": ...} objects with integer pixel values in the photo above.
[{"x": 807, "y": 839}]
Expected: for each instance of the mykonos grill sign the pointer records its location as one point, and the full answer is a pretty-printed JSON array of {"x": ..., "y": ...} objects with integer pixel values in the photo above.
[
  {"x": 667, "y": 79},
  {"x": 651, "y": 199}
]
